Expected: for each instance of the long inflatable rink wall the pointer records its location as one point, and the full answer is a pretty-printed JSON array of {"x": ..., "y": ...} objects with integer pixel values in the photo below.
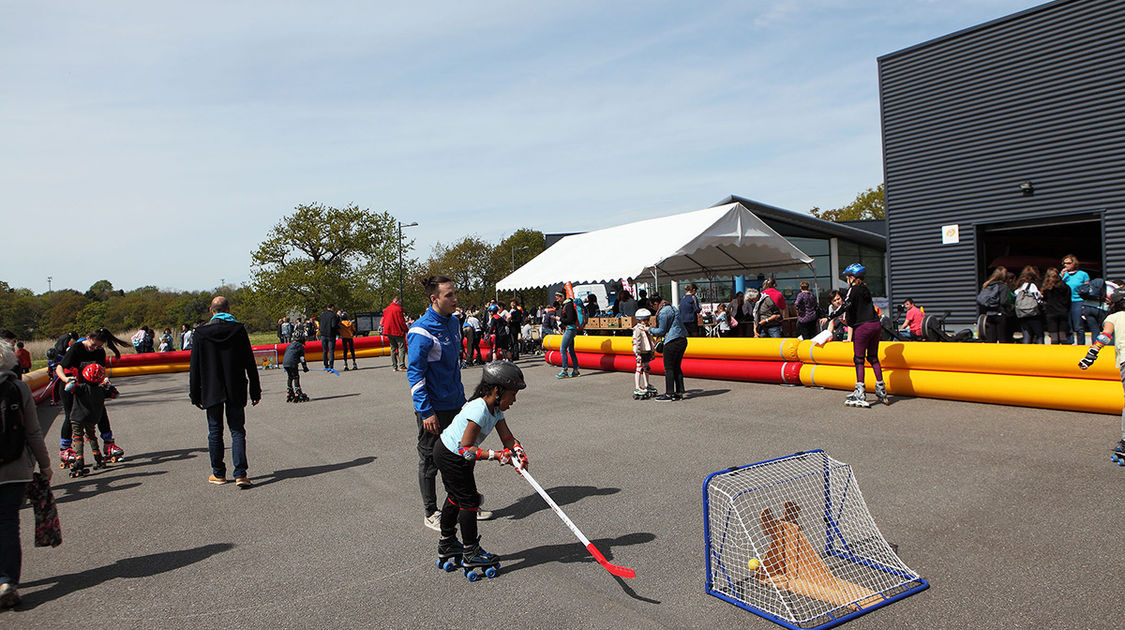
[
  {"x": 1008, "y": 374},
  {"x": 791, "y": 540},
  {"x": 266, "y": 356}
]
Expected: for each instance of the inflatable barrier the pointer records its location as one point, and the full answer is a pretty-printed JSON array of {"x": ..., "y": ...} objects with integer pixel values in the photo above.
[
  {"x": 720, "y": 369},
  {"x": 974, "y": 358},
  {"x": 38, "y": 381},
  {"x": 1069, "y": 394},
  {"x": 698, "y": 347},
  {"x": 312, "y": 349}
]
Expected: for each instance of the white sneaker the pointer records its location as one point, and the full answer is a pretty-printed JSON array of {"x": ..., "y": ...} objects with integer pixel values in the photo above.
[
  {"x": 433, "y": 521},
  {"x": 483, "y": 515},
  {"x": 9, "y": 597}
]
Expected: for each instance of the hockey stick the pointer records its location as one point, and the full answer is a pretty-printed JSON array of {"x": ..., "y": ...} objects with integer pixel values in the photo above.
[{"x": 614, "y": 569}]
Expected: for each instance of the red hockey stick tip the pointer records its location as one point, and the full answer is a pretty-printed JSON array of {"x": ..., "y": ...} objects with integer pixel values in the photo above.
[{"x": 624, "y": 572}]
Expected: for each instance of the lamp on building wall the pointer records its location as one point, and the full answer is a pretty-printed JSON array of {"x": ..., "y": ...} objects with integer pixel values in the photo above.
[{"x": 1027, "y": 189}]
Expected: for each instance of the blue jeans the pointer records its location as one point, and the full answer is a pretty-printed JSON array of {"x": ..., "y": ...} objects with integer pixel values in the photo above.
[
  {"x": 1094, "y": 319},
  {"x": 772, "y": 331},
  {"x": 328, "y": 351},
  {"x": 236, "y": 420},
  {"x": 1077, "y": 327},
  {"x": 11, "y": 556},
  {"x": 568, "y": 346}
]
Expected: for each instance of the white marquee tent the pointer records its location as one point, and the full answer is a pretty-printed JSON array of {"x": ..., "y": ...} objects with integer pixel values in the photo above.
[{"x": 727, "y": 239}]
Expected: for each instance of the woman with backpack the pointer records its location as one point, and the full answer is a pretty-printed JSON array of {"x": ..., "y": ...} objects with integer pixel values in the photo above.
[
  {"x": 17, "y": 463},
  {"x": 1029, "y": 311},
  {"x": 991, "y": 299},
  {"x": 1056, "y": 307}
]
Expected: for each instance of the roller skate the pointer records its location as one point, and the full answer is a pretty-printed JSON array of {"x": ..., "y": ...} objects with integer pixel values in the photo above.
[
  {"x": 78, "y": 468},
  {"x": 301, "y": 397},
  {"x": 66, "y": 457},
  {"x": 290, "y": 397},
  {"x": 354, "y": 366},
  {"x": 641, "y": 393},
  {"x": 99, "y": 461},
  {"x": 449, "y": 552},
  {"x": 858, "y": 398},
  {"x": 881, "y": 393},
  {"x": 477, "y": 563},
  {"x": 651, "y": 390},
  {"x": 1118, "y": 456},
  {"x": 114, "y": 453}
]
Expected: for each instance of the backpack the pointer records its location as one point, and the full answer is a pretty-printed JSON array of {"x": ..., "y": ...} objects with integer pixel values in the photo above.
[
  {"x": 580, "y": 318},
  {"x": 12, "y": 439},
  {"x": 992, "y": 297},
  {"x": 1026, "y": 304},
  {"x": 1092, "y": 290}
]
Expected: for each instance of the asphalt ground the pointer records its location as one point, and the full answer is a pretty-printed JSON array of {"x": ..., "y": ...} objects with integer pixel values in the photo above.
[{"x": 1011, "y": 514}]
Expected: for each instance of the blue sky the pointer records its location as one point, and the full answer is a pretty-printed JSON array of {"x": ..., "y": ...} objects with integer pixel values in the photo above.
[{"x": 161, "y": 141}]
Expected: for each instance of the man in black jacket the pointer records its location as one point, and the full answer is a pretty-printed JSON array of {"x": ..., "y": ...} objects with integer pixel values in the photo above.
[
  {"x": 222, "y": 365},
  {"x": 329, "y": 329}
]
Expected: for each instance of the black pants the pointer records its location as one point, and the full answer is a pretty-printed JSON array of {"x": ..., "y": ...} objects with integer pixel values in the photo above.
[
  {"x": 1032, "y": 329},
  {"x": 807, "y": 330},
  {"x": 427, "y": 469},
  {"x": 462, "y": 500},
  {"x": 292, "y": 379},
  {"x": 692, "y": 329},
  {"x": 673, "y": 357},
  {"x": 1058, "y": 326},
  {"x": 66, "y": 431},
  {"x": 514, "y": 341},
  {"x": 994, "y": 329},
  {"x": 348, "y": 343}
]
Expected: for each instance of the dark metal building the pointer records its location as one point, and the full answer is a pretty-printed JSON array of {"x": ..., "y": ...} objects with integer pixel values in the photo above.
[{"x": 1004, "y": 144}]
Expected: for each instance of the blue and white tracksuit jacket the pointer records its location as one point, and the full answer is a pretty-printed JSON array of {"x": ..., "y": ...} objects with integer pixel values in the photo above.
[{"x": 433, "y": 363}]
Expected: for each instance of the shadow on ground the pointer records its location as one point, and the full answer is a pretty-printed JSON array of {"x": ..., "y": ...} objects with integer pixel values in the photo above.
[
  {"x": 575, "y": 552},
  {"x": 129, "y": 568},
  {"x": 563, "y": 495},
  {"x": 308, "y": 471}
]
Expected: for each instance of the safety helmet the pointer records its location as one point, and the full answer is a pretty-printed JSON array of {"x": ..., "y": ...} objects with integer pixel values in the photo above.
[
  {"x": 493, "y": 308},
  {"x": 855, "y": 269},
  {"x": 1117, "y": 296},
  {"x": 93, "y": 373},
  {"x": 643, "y": 313},
  {"x": 503, "y": 373}
]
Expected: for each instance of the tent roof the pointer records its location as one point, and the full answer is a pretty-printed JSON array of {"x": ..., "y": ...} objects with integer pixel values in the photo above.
[{"x": 725, "y": 239}]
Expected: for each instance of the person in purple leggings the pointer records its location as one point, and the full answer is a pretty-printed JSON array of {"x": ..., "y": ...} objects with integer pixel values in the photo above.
[{"x": 860, "y": 316}]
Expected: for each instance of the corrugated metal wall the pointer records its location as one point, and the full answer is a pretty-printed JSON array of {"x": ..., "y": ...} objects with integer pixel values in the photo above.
[{"x": 1038, "y": 96}]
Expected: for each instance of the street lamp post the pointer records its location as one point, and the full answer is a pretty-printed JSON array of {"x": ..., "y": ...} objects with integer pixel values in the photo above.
[{"x": 401, "y": 287}]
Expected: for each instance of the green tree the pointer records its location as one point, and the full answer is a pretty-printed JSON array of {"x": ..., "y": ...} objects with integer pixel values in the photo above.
[
  {"x": 515, "y": 251},
  {"x": 471, "y": 263},
  {"x": 320, "y": 255},
  {"x": 868, "y": 204}
]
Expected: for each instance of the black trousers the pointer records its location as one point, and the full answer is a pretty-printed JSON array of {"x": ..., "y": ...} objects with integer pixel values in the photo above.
[
  {"x": 292, "y": 378},
  {"x": 347, "y": 343},
  {"x": 463, "y": 499},
  {"x": 673, "y": 357},
  {"x": 427, "y": 469}
]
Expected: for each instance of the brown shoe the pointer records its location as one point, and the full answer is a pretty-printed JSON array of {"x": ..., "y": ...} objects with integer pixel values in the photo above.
[
  {"x": 243, "y": 482},
  {"x": 218, "y": 481}
]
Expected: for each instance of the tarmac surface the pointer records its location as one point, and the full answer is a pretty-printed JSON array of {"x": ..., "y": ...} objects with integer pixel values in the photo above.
[{"x": 1011, "y": 514}]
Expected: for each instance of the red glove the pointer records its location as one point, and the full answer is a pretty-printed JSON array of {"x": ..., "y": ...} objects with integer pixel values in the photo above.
[
  {"x": 519, "y": 454},
  {"x": 504, "y": 456}
]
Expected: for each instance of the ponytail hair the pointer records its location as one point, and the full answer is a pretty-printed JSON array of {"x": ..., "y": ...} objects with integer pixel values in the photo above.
[{"x": 103, "y": 335}]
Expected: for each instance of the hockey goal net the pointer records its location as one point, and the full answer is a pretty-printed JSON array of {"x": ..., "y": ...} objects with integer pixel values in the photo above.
[{"x": 791, "y": 539}]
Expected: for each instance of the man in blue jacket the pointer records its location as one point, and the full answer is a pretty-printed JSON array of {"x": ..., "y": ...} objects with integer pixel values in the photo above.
[{"x": 433, "y": 353}]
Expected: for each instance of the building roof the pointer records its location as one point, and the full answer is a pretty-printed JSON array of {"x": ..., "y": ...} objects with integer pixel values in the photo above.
[{"x": 776, "y": 217}]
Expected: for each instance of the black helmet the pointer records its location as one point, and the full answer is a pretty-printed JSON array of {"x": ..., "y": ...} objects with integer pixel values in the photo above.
[
  {"x": 1117, "y": 296},
  {"x": 503, "y": 373}
]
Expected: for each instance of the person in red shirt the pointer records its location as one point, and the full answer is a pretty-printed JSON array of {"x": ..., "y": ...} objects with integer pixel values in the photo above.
[
  {"x": 394, "y": 327},
  {"x": 913, "y": 318},
  {"x": 24, "y": 358}
]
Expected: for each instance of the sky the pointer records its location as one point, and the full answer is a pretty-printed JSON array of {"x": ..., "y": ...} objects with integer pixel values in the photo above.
[{"x": 157, "y": 143}]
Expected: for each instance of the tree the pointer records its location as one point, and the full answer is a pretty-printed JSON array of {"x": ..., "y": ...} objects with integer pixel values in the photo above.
[
  {"x": 868, "y": 204},
  {"x": 320, "y": 255},
  {"x": 470, "y": 263},
  {"x": 514, "y": 252}
]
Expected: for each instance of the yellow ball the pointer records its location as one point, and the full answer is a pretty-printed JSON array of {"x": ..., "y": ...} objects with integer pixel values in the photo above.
[{"x": 753, "y": 564}]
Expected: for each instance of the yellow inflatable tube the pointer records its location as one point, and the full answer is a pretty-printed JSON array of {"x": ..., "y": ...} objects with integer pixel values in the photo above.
[
  {"x": 978, "y": 358},
  {"x": 37, "y": 378},
  {"x": 1069, "y": 394},
  {"x": 698, "y": 347}
]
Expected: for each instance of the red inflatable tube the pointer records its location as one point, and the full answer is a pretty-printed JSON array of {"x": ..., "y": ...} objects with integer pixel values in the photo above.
[
  {"x": 721, "y": 369},
  {"x": 184, "y": 356}
]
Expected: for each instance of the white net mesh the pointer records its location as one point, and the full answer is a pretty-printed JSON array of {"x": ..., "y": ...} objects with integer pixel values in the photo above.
[{"x": 793, "y": 538}]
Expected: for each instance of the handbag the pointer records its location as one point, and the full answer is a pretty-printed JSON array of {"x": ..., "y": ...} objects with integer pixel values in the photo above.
[
  {"x": 47, "y": 530},
  {"x": 659, "y": 349}
]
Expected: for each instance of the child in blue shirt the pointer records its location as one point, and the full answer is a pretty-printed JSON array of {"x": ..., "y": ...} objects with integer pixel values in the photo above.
[{"x": 456, "y": 453}]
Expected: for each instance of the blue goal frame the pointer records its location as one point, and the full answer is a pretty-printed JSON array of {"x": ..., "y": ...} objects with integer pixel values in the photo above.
[{"x": 835, "y": 545}]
